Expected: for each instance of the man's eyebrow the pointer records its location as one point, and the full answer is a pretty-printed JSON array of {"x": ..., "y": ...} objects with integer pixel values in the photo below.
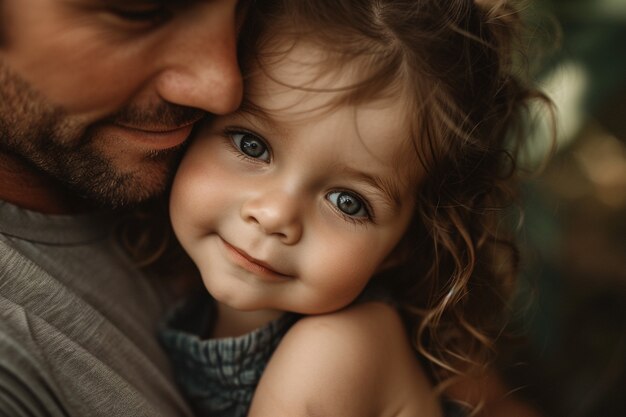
[{"x": 164, "y": 3}]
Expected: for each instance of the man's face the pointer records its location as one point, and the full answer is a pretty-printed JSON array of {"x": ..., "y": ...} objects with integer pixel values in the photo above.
[{"x": 100, "y": 94}]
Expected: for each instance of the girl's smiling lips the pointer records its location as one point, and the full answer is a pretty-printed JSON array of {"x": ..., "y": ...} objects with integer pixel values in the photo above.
[{"x": 250, "y": 264}]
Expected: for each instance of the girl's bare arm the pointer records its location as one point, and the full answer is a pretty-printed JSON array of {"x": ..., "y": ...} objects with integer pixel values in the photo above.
[{"x": 354, "y": 362}]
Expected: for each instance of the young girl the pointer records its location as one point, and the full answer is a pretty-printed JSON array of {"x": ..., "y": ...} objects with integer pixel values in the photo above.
[{"x": 349, "y": 216}]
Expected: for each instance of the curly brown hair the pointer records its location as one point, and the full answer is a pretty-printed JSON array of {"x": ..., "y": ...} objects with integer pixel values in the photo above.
[{"x": 467, "y": 100}]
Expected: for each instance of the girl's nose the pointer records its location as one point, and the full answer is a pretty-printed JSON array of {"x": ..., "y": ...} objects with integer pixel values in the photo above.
[{"x": 276, "y": 214}]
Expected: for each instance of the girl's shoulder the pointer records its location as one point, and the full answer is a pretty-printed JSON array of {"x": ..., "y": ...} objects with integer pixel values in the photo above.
[{"x": 354, "y": 362}]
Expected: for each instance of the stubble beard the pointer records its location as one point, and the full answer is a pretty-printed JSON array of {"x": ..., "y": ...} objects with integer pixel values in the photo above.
[{"x": 45, "y": 138}]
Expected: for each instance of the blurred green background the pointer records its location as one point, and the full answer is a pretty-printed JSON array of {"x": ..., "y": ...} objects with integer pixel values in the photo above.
[{"x": 574, "y": 235}]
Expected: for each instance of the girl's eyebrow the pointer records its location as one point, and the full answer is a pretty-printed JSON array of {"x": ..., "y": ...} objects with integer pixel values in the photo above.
[
  {"x": 389, "y": 187},
  {"x": 249, "y": 109}
]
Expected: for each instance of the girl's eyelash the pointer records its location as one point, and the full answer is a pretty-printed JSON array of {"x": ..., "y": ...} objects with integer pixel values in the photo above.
[
  {"x": 356, "y": 220},
  {"x": 369, "y": 218},
  {"x": 230, "y": 132}
]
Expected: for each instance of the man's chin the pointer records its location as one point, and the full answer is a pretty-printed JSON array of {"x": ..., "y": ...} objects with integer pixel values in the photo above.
[{"x": 117, "y": 191}]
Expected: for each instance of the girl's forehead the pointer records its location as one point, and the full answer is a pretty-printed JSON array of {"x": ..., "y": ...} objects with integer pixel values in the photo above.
[
  {"x": 297, "y": 59},
  {"x": 297, "y": 90},
  {"x": 306, "y": 79},
  {"x": 312, "y": 64},
  {"x": 302, "y": 73}
]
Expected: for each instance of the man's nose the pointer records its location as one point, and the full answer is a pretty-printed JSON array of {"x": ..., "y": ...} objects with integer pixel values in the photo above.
[
  {"x": 199, "y": 61},
  {"x": 277, "y": 214}
]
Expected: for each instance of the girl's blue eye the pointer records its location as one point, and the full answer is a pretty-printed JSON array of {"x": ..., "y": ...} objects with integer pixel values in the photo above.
[
  {"x": 251, "y": 146},
  {"x": 348, "y": 203}
]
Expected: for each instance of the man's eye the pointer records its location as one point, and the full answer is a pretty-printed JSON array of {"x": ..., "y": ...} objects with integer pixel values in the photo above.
[
  {"x": 151, "y": 12},
  {"x": 348, "y": 203},
  {"x": 251, "y": 146}
]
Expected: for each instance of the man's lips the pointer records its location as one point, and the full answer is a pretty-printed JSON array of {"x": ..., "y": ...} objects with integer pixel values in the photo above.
[
  {"x": 156, "y": 137},
  {"x": 256, "y": 266}
]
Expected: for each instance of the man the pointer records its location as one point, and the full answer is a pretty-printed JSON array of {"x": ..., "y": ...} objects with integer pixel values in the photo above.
[{"x": 96, "y": 98}]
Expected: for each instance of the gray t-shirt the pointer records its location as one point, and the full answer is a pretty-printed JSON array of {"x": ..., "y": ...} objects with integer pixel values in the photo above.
[{"x": 77, "y": 323}]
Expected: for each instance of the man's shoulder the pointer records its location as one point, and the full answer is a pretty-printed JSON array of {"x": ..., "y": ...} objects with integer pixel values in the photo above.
[
  {"x": 26, "y": 386},
  {"x": 72, "y": 345}
]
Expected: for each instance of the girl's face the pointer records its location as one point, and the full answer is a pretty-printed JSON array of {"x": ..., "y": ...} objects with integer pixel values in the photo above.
[{"x": 296, "y": 206}]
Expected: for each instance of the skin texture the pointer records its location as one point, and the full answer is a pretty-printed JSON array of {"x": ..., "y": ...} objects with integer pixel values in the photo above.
[
  {"x": 98, "y": 95},
  {"x": 281, "y": 208}
]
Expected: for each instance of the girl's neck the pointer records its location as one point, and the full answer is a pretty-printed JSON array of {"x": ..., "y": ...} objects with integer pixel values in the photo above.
[{"x": 232, "y": 323}]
